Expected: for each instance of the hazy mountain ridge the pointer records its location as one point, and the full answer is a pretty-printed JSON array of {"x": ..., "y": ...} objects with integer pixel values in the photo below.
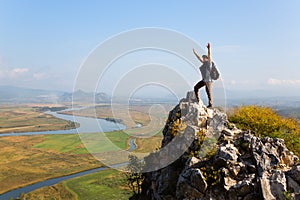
[
  {"x": 81, "y": 96},
  {"x": 13, "y": 94}
]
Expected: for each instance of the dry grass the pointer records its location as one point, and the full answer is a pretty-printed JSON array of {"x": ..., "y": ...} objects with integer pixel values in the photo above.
[{"x": 147, "y": 145}]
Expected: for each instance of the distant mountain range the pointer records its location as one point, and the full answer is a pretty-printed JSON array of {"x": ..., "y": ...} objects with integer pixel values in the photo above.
[
  {"x": 81, "y": 96},
  {"x": 13, "y": 94}
]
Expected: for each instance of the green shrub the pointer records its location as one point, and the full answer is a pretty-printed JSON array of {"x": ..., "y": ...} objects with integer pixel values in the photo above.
[{"x": 263, "y": 121}]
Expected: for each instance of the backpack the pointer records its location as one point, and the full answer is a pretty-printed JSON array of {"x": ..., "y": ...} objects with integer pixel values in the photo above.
[{"x": 214, "y": 73}]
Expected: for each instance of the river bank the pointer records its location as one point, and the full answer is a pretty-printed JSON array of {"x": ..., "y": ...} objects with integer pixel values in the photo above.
[
  {"x": 29, "y": 119},
  {"x": 85, "y": 125}
]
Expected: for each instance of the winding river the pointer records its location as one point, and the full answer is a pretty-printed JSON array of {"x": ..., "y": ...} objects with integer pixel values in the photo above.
[{"x": 87, "y": 125}]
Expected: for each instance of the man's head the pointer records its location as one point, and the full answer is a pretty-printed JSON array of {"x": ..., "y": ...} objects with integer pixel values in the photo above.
[{"x": 205, "y": 57}]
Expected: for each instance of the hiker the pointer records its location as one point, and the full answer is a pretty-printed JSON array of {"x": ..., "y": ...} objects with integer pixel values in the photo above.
[{"x": 209, "y": 73}]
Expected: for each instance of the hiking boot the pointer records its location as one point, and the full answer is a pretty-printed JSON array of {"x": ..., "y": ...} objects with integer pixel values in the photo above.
[{"x": 209, "y": 106}]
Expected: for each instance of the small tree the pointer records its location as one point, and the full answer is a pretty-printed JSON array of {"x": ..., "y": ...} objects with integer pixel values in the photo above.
[{"x": 134, "y": 175}]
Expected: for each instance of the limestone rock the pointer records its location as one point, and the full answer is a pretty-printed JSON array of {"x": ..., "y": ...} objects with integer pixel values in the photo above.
[
  {"x": 242, "y": 188},
  {"x": 226, "y": 153},
  {"x": 273, "y": 186},
  {"x": 191, "y": 184},
  {"x": 219, "y": 162}
]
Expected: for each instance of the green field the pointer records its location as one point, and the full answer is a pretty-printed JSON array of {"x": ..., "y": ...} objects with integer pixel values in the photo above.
[
  {"x": 107, "y": 184},
  {"x": 62, "y": 143},
  {"x": 72, "y": 143},
  {"x": 68, "y": 152},
  {"x": 39, "y": 155}
]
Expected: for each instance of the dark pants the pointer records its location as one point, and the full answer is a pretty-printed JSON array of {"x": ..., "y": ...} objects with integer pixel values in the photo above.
[{"x": 208, "y": 88}]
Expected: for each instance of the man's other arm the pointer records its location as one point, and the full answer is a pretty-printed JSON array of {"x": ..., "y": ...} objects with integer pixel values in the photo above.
[{"x": 198, "y": 57}]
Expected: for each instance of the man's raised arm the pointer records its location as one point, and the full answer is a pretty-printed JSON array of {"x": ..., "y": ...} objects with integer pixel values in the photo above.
[
  {"x": 199, "y": 58},
  {"x": 208, "y": 52}
]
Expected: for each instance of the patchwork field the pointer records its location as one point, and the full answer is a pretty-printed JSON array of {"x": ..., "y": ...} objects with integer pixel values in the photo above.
[
  {"x": 21, "y": 163},
  {"x": 41, "y": 157},
  {"x": 29, "y": 159}
]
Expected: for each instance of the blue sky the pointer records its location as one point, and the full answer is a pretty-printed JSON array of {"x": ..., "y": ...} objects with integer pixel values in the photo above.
[{"x": 255, "y": 43}]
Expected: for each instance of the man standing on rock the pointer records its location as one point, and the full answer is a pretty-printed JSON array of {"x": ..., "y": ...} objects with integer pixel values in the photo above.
[{"x": 205, "y": 70}]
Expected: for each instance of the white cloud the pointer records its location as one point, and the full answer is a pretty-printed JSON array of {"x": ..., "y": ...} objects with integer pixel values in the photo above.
[
  {"x": 13, "y": 73},
  {"x": 39, "y": 76},
  {"x": 272, "y": 81},
  {"x": 239, "y": 82},
  {"x": 17, "y": 72},
  {"x": 20, "y": 70}
]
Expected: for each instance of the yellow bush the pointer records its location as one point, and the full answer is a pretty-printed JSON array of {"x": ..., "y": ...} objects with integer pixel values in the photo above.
[{"x": 263, "y": 121}]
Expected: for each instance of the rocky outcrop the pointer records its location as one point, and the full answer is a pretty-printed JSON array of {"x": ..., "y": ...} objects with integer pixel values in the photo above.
[{"x": 219, "y": 161}]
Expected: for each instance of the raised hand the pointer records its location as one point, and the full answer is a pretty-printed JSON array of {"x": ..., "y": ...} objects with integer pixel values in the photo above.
[{"x": 208, "y": 45}]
